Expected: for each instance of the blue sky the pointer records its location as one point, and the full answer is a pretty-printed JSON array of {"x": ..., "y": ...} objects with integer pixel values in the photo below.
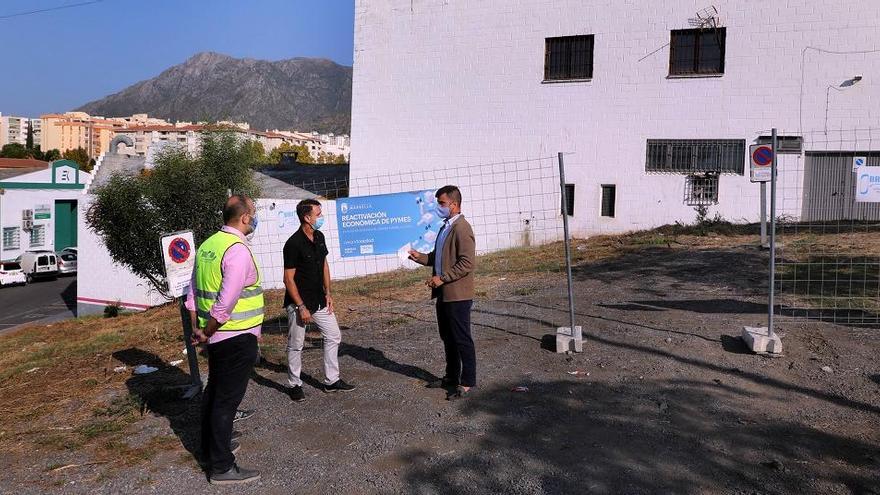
[{"x": 61, "y": 59}]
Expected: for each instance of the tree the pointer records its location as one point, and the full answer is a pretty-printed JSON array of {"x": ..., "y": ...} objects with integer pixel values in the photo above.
[
  {"x": 29, "y": 142},
  {"x": 275, "y": 155},
  {"x": 80, "y": 156},
  {"x": 52, "y": 155},
  {"x": 182, "y": 192},
  {"x": 15, "y": 150},
  {"x": 255, "y": 152}
]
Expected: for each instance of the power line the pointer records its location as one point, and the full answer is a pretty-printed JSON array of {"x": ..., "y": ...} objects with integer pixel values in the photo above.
[{"x": 39, "y": 11}]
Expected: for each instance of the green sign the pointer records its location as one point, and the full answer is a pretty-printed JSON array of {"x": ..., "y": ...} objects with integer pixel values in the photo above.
[{"x": 42, "y": 212}]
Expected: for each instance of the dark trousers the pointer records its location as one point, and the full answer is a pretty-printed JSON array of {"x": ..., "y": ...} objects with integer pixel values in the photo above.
[
  {"x": 454, "y": 321},
  {"x": 230, "y": 363}
]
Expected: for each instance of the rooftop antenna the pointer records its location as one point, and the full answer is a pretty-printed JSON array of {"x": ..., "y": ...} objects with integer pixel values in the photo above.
[{"x": 706, "y": 18}]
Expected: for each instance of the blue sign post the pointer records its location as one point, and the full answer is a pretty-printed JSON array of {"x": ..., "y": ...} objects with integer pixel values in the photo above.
[{"x": 387, "y": 223}]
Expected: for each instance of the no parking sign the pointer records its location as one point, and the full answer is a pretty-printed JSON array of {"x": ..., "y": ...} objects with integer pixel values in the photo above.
[
  {"x": 177, "y": 251},
  {"x": 762, "y": 160}
]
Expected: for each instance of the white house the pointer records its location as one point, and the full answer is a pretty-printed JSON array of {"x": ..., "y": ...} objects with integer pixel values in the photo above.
[
  {"x": 39, "y": 205},
  {"x": 656, "y": 102}
]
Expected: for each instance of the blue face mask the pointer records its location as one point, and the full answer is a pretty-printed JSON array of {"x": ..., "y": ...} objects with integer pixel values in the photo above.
[
  {"x": 442, "y": 211},
  {"x": 318, "y": 223},
  {"x": 254, "y": 223}
]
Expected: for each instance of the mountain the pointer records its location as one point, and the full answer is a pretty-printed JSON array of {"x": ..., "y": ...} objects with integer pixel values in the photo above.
[{"x": 299, "y": 93}]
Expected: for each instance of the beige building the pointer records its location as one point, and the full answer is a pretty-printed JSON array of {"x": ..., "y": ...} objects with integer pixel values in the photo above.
[{"x": 73, "y": 130}]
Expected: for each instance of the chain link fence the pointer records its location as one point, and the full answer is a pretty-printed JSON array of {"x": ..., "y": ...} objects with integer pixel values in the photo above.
[
  {"x": 828, "y": 227},
  {"x": 515, "y": 208}
]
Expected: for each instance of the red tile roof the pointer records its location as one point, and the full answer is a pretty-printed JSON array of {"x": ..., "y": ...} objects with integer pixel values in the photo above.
[{"x": 22, "y": 163}]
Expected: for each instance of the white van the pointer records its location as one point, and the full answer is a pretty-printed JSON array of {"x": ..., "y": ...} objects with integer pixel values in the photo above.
[{"x": 39, "y": 264}]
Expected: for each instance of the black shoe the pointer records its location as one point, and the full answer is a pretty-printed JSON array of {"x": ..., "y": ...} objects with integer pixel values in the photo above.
[
  {"x": 297, "y": 394},
  {"x": 441, "y": 383},
  {"x": 234, "y": 447},
  {"x": 339, "y": 386},
  {"x": 234, "y": 476},
  {"x": 459, "y": 393},
  {"x": 235, "y": 435},
  {"x": 242, "y": 414}
]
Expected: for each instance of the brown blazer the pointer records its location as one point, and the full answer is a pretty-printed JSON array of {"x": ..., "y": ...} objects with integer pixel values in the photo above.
[{"x": 459, "y": 261}]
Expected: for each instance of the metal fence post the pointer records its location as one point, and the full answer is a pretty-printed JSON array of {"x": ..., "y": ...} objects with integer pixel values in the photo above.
[
  {"x": 191, "y": 351},
  {"x": 771, "y": 303},
  {"x": 575, "y": 332}
]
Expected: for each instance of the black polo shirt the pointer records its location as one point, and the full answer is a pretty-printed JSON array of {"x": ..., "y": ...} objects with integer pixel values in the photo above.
[{"x": 307, "y": 258}]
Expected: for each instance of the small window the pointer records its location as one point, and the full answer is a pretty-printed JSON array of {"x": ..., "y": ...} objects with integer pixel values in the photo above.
[
  {"x": 609, "y": 193},
  {"x": 38, "y": 235},
  {"x": 43, "y": 261},
  {"x": 695, "y": 52},
  {"x": 690, "y": 156},
  {"x": 569, "y": 199},
  {"x": 701, "y": 190},
  {"x": 11, "y": 238},
  {"x": 568, "y": 57}
]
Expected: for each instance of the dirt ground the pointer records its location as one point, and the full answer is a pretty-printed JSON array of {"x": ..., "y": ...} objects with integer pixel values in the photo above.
[{"x": 664, "y": 398}]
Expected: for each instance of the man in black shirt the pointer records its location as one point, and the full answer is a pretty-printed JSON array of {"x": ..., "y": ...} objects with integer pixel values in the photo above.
[{"x": 307, "y": 299}]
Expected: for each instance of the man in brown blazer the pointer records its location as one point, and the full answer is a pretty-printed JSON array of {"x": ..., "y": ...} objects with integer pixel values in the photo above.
[{"x": 452, "y": 284}]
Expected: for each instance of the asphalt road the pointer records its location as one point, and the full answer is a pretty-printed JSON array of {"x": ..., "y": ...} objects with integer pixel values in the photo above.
[{"x": 48, "y": 300}]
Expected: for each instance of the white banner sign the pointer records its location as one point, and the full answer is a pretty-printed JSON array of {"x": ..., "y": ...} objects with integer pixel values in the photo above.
[
  {"x": 867, "y": 184},
  {"x": 179, "y": 253}
]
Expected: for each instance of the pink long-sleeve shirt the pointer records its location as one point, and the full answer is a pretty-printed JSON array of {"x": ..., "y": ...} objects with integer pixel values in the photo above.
[{"x": 239, "y": 272}]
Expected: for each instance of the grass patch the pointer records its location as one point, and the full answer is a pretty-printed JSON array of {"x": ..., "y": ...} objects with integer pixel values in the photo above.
[{"x": 524, "y": 291}]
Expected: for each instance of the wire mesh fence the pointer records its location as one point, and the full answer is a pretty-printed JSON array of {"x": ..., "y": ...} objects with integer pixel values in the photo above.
[
  {"x": 515, "y": 210},
  {"x": 828, "y": 228}
]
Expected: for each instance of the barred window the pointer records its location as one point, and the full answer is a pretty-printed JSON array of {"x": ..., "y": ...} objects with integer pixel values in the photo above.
[
  {"x": 697, "y": 51},
  {"x": 568, "y": 57},
  {"x": 38, "y": 235},
  {"x": 701, "y": 190},
  {"x": 689, "y": 156},
  {"x": 11, "y": 238},
  {"x": 609, "y": 193},
  {"x": 785, "y": 144}
]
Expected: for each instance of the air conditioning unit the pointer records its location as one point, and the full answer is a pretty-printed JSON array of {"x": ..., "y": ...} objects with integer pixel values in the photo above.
[
  {"x": 27, "y": 214},
  {"x": 27, "y": 224}
]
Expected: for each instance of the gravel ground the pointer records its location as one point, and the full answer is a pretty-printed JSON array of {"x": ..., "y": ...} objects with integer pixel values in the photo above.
[{"x": 665, "y": 400}]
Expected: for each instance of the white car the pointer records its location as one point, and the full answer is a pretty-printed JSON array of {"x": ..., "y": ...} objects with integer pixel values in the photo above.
[
  {"x": 11, "y": 274},
  {"x": 39, "y": 264}
]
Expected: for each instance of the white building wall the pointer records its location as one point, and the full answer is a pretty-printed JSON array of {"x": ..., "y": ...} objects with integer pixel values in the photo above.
[
  {"x": 14, "y": 201},
  {"x": 100, "y": 281},
  {"x": 456, "y": 83}
]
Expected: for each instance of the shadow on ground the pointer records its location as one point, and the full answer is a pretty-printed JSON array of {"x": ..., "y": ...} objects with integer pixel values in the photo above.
[
  {"x": 160, "y": 393},
  {"x": 68, "y": 295},
  {"x": 649, "y": 437}
]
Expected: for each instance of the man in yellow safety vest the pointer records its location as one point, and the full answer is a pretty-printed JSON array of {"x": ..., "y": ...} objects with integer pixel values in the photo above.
[{"x": 226, "y": 304}]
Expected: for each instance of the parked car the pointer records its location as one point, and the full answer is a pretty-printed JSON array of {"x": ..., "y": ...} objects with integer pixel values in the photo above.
[
  {"x": 39, "y": 264},
  {"x": 11, "y": 274},
  {"x": 66, "y": 263},
  {"x": 71, "y": 249}
]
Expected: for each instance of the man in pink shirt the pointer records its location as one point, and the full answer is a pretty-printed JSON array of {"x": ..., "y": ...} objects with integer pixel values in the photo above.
[{"x": 225, "y": 301}]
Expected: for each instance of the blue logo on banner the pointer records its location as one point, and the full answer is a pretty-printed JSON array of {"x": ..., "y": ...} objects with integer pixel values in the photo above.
[{"x": 387, "y": 223}]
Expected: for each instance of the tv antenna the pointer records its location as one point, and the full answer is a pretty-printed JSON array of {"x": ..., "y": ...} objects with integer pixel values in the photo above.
[{"x": 706, "y": 18}]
